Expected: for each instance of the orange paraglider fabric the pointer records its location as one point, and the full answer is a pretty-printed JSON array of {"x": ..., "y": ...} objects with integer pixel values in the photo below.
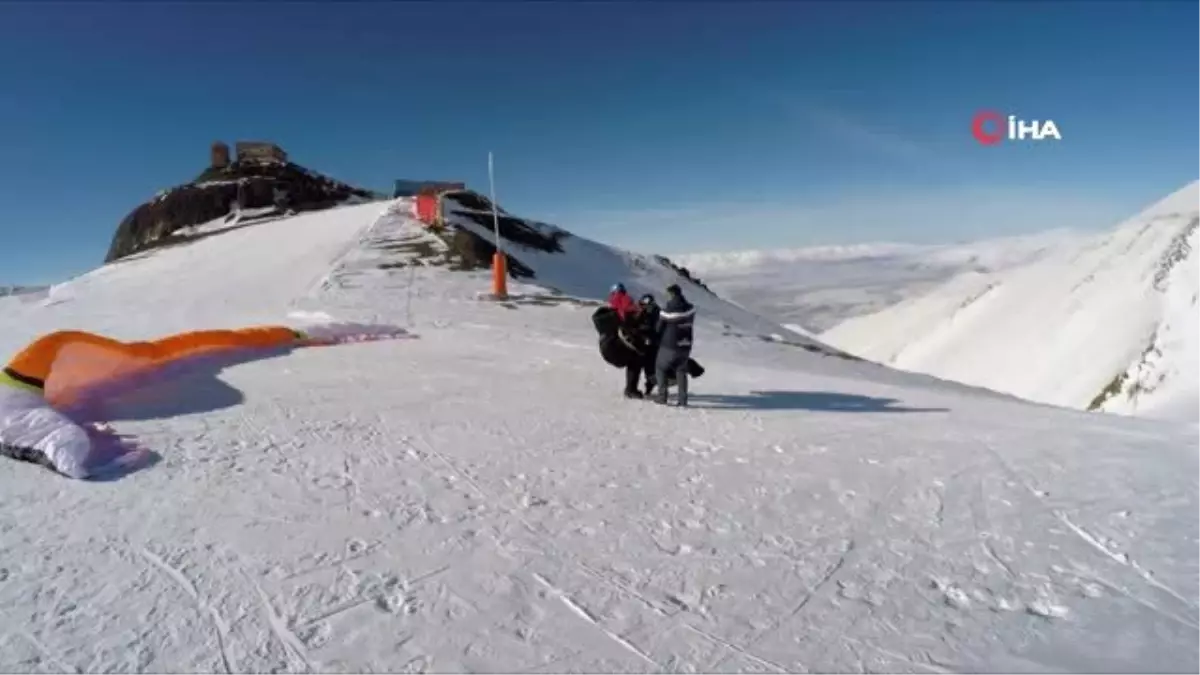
[
  {"x": 62, "y": 365},
  {"x": 49, "y": 389}
]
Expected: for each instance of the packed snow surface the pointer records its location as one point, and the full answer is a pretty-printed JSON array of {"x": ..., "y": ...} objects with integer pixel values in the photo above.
[
  {"x": 819, "y": 287},
  {"x": 1109, "y": 322},
  {"x": 479, "y": 497}
]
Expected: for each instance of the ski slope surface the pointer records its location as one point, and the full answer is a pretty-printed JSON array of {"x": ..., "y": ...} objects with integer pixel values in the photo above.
[
  {"x": 479, "y": 497},
  {"x": 1109, "y": 323},
  {"x": 816, "y": 288}
]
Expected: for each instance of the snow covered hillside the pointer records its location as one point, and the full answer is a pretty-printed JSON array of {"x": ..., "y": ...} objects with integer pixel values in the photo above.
[
  {"x": 817, "y": 288},
  {"x": 479, "y": 497},
  {"x": 581, "y": 268},
  {"x": 1109, "y": 323}
]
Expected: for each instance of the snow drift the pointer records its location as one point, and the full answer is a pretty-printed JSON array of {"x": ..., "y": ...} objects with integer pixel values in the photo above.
[
  {"x": 1108, "y": 323},
  {"x": 478, "y": 497}
]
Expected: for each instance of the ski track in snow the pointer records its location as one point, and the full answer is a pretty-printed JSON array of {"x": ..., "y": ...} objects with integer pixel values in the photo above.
[
  {"x": 1101, "y": 546},
  {"x": 587, "y": 616},
  {"x": 222, "y": 627},
  {"x": 479, "y": 497},
  {"x": 49, "y": 655},
  {"x": 294, "y": 648}
]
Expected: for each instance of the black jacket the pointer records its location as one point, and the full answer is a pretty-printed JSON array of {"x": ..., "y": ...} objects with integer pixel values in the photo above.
[
  {"x": 606, "y": 322},
  {"x": 675, "y": 325},
  {"x": 648, "y": 325}
]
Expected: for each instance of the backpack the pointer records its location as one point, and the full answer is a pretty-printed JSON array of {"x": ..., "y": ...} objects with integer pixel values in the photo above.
[{"x": 606, "y": 322}]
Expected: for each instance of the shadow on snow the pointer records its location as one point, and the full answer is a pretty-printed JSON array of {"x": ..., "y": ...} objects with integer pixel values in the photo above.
[
  {"x": 115, "y": 456},
  {"x": 804, "y": 400},
  {"x": 187, "y": 387}
]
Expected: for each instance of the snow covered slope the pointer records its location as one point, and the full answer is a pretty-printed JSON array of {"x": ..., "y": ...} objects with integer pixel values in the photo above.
[
  {"x": 817, "y": 288},
  {"x": 1109, "y": 323},
  {"x": 480, "y": 497},
  {"x": 582, "y": 268}
]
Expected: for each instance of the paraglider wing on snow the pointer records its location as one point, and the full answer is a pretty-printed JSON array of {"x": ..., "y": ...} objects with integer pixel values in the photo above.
[
  {"x": 42, "y": 383},
  {"x": 71, "y": 363}
]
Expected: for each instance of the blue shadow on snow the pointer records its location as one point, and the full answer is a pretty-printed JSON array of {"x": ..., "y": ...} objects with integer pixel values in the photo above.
[
  {"x": 115, "y": 456},
  {"x": 823, "y": 401},
  {"x": 185, "y": 387}
]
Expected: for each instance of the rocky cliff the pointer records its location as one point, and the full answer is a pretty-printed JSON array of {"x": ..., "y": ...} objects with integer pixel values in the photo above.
[{"x": 258, "y": 187}]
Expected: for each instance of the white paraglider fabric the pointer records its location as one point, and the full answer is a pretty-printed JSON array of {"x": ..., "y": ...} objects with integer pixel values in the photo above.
[
  {"x": 340, "y": 332},
  {"x": 28, "y": 422}
]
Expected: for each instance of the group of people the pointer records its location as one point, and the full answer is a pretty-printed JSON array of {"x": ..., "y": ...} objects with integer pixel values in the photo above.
[{"x": 660, "y": 339}]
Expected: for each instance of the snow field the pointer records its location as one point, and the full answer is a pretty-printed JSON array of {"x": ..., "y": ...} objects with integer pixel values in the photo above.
[{"x": 479, "y": 497}]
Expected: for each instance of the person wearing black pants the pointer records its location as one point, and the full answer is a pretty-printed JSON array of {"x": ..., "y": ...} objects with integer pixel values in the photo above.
[
  {"x": 632, "y": 372},
  {"x": 674, "y": 332},
  {"x": 631, "y": 339},
  {"x": 620, "y": 347},
  {"x": 648, "y": 331}
]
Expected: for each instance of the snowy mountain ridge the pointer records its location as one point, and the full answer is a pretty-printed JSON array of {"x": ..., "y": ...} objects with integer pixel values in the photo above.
[{"x": 1105, "y": 323}]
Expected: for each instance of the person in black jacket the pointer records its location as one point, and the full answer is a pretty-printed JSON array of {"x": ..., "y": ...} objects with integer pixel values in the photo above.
[
  {"x": 620, "y": 347},
  {"x": 630, "y": 340},
  {"x": 648, "y": 332},
  {"x": 674, "y": 332}
]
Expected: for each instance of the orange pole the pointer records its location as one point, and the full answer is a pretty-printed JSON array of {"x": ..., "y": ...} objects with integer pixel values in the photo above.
[{"x": 499, "y": 275}]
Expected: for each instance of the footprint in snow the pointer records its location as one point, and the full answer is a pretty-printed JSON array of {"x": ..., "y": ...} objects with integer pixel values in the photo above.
[
  {"x": 955, "y": 597},
  {"x": 1047, "y": 610},
  {"x": 952, "y": 594},
  {"x": 317, "y": 635}
]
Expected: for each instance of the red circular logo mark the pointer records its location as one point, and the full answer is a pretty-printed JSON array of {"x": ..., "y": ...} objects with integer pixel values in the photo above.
[{"x": 979, "y": 130}]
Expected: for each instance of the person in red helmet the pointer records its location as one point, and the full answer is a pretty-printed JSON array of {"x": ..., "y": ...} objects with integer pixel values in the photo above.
[
  {"x": 620, "y": 301},
  {"x": 628, "y": 313}
]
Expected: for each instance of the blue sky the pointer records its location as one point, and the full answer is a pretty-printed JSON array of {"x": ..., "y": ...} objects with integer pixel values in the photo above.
[{"x": 665, "y": 126}]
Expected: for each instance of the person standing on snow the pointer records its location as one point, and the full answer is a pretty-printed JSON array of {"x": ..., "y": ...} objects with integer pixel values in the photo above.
[
  {"x": 648, "y": 332},
  {"x": 627, "y": 331},
  {"x": 674, "y": 332}
]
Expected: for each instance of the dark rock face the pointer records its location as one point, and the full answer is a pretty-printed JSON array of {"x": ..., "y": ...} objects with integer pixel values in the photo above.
[
  {"x": 269, "y": 186},
  {"x": 475, "y": 252},
  {"x": 683, "y": 272}
]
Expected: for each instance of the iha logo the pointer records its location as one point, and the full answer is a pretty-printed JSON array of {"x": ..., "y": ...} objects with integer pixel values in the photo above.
[{"x": 990, "y": 127}]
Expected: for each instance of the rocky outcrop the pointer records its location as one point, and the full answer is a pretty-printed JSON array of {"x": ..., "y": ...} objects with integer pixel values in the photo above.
[
  {"x": 472, "y": 251},
  {"x": 683, "y": 272},
  {"x": 262, "y": 187},
  {"x": 476, "y": 251}
]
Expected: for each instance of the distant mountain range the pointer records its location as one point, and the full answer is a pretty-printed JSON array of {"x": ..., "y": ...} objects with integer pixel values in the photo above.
[
  {"x": 20, "y": 290},
  {"x": 1092, "y": 321}
]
